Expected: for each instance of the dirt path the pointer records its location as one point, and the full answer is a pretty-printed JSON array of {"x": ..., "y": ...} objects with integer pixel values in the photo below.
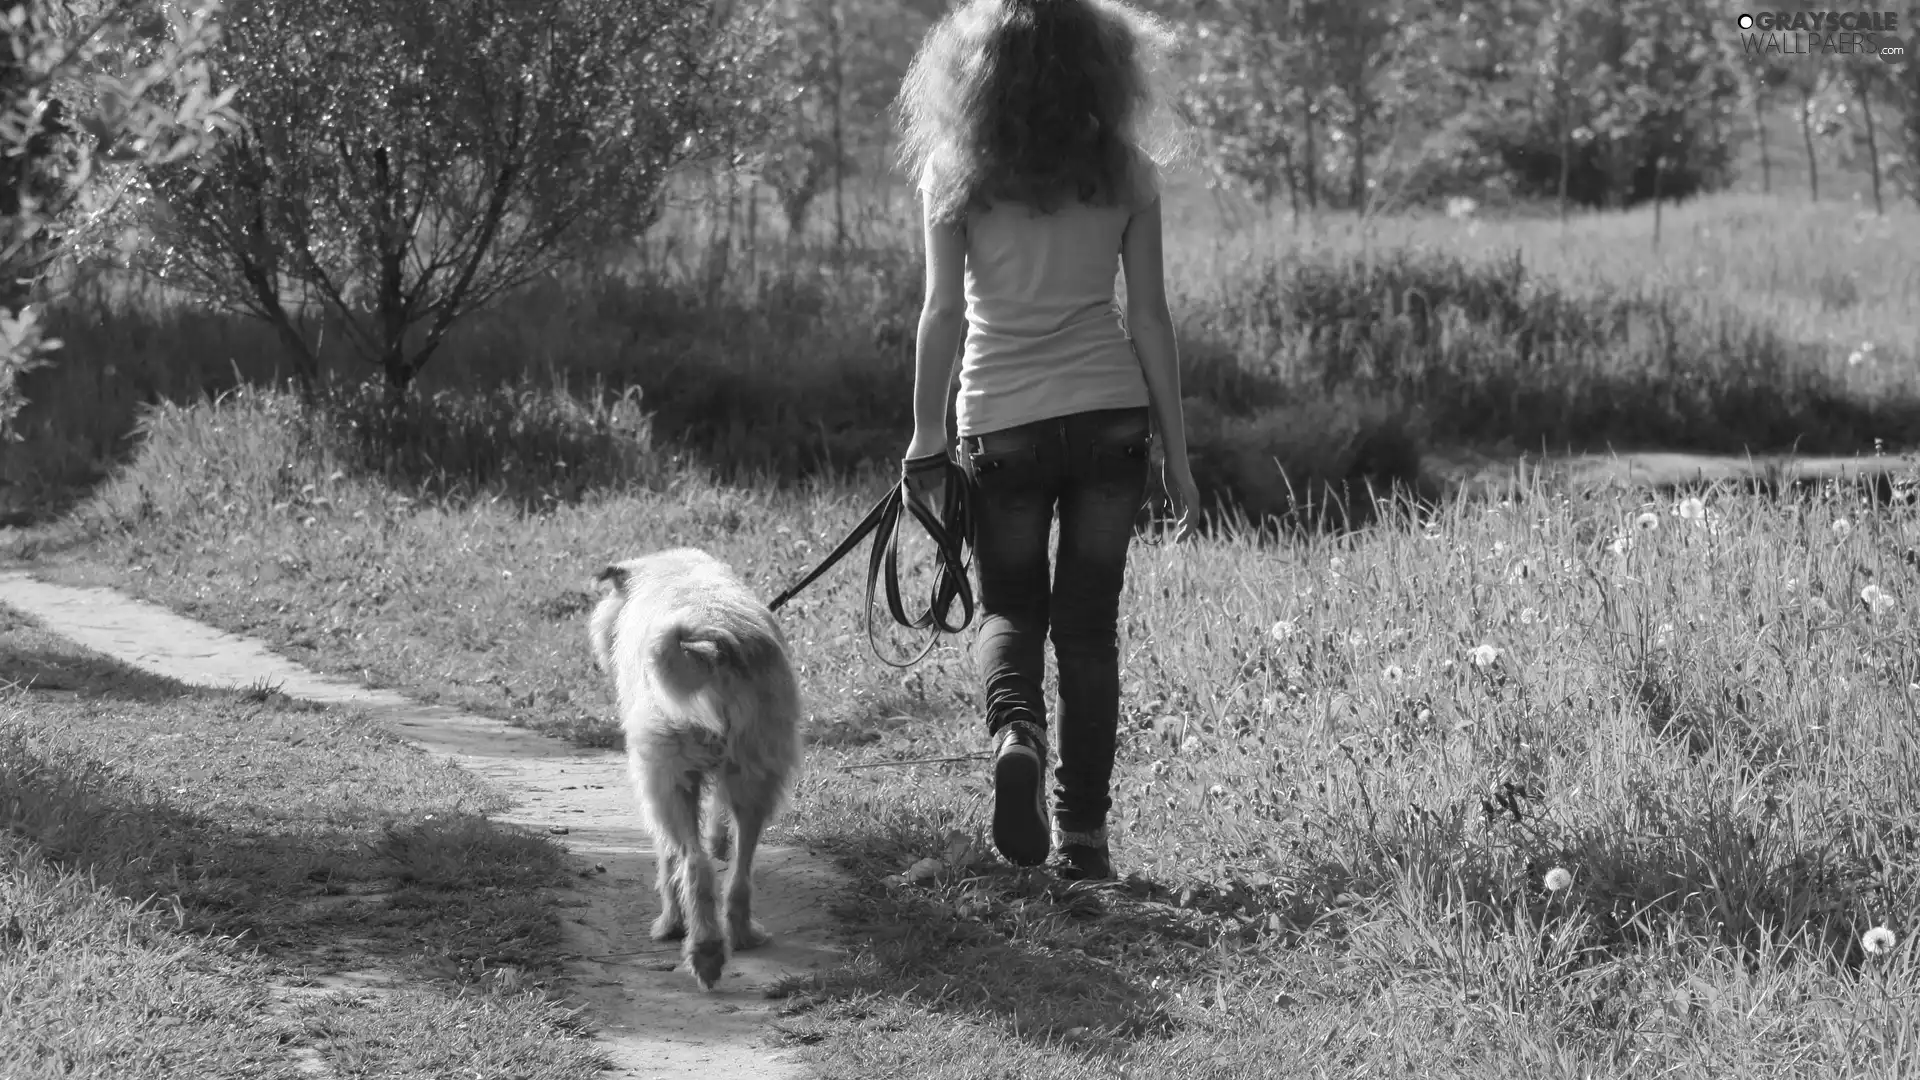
[
  {"x": 654, "y": 1021},
  {"x": 1481, "y": 475}
]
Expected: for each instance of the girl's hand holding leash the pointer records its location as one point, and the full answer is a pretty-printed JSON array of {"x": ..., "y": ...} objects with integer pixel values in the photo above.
[
  {"x": 923, "y": 468},
  {"x": 926, "y": 477}
]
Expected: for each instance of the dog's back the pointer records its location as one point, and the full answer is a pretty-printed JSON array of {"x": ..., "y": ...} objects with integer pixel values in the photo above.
[{"x": 699, "y": 662}]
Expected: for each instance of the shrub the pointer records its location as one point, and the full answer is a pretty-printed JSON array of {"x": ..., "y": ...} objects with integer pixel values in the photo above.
[{"x": 413, "y": 160}]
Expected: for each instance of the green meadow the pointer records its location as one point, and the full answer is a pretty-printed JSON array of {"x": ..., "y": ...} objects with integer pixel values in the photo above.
[{"x": 1411, "y": 781}]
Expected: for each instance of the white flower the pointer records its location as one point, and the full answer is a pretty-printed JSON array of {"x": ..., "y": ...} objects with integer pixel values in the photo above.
[
  {"x": 1691, "y": 508},
  {"x": 1878, "y": 940},
  {"x": 1647, "y": 522},
  {"x": 1878, "y": 600},
  {"x": 1558, "y": 878},
  {"x": 1483, "y": 656},
  {"x": 1841, "y": 527}
]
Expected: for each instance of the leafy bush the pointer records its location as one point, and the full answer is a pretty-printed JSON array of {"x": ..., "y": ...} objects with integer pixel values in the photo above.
[{"x": 413, "y": 161}]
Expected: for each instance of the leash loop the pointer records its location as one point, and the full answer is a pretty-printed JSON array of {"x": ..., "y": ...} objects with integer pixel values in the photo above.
[{"x": 951, "y": 532}]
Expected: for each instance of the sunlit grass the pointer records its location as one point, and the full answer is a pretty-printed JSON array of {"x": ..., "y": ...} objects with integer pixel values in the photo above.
[
  {"x": 182, "y": 872},
  {"x": 1349, "y": 764}
]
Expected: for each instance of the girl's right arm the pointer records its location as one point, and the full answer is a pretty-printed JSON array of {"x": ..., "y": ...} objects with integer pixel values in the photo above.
[{"x": 1150, "y": 323}]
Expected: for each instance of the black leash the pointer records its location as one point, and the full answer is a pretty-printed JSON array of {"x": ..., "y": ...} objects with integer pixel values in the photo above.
[{"x": 951, "y": 532}]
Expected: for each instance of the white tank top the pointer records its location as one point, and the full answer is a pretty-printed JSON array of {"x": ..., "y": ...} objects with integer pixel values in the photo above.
[{"x": 1044, "y": 335}]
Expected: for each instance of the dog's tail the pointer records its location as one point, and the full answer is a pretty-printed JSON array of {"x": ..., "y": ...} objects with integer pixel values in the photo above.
[{"x": 687, "y": 655}]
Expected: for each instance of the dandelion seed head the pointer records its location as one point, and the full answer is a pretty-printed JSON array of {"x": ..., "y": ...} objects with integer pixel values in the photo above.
[
  {"x": 1558, "y": 878},
  {"x": 1647, "y": 522},
  {"x": 1878, "y": 600},
  {"x": 1878, "y": 941},
  {"x": 1528, "y": 616},
  {"x": 1621, "y": 545},
  {"x": 1842, "y": 528},
  {"x": 1393, "y": 674},
  {"x": 1691, "y": 508},
  {"x": 1483, "y": 656},
  {"x": 1281, "y": 630}
]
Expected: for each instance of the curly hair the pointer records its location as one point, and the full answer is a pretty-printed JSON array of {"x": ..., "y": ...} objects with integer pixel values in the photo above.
[{"x": 1039, "y": 102}]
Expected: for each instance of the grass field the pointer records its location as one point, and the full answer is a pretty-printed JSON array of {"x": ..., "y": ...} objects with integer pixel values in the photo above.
[
  {"x": 202, "y": 884},
  {"x": 1349, "y": 766},
  {"x": 1593, "y": 787}
]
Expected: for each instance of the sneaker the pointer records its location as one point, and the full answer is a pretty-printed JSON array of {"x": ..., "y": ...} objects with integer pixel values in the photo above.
[
  {"x": 1082, "y": 856},
  {"x": 1019, "y": 794}
]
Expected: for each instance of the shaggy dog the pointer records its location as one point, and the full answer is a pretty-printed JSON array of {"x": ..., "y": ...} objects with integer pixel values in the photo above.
[{"x": 708, "y": 699}]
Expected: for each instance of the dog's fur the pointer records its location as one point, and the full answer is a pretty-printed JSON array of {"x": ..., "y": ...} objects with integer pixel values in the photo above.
[{"x": 708, "y": 699}]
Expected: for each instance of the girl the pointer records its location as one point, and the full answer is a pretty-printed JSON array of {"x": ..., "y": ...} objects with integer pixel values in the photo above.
[{"x": 1024, "y": 123}]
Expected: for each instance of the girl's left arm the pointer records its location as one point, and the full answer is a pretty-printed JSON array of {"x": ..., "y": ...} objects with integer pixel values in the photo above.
[{"x": 943, "y": 328}]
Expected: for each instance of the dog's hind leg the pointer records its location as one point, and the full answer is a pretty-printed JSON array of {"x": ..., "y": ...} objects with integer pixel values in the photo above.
[
  {"x": 672, "y": 801},
  {"x": 678, "y": 829},
  {"x": 749, "y": 819},
  {"x": 719, "y": 843},
  {"x": 672, "y": 923}
]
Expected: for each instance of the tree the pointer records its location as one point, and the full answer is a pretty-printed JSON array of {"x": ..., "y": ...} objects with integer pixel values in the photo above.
[
  {"x": 1357, "y": 40},
  {"x": 808, "y": 148},
  {"x": 409, "y": 161},
  {"x": 1811, "y": 81},
  {"x": 1260, "y": 91},
  {"x": 87, "y": 89},
  {"x": 1766, "y": 75},
  {"x": 1237, "y": 96},
  {"x": 1868, "y": 81},
  {"x": 1903, "y": 89}
]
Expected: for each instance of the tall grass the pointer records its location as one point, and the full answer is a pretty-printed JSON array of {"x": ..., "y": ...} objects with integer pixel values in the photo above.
[
  {"x": 1348, "y": 765},
  {"x": 1753, "y": 326}
]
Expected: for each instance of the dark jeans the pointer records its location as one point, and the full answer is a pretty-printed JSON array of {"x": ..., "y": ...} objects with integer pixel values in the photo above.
[{"x": 1091, "y": 469}]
